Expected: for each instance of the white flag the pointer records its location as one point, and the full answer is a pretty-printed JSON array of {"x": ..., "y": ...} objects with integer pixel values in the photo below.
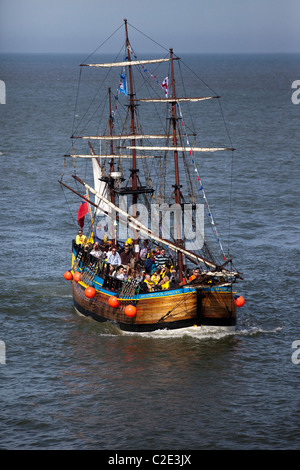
[{"x": 165, "y": 86}]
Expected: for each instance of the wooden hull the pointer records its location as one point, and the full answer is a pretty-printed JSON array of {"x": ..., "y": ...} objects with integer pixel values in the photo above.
[
  {"x": 169, "y": 309},
  {"x": 177, "y": 308}
]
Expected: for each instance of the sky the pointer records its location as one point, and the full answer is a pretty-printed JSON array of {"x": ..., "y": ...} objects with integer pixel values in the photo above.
[{"x": 203, "y": 26}]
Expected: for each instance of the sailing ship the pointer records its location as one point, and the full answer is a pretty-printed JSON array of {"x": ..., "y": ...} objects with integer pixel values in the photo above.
[{"x": 146, "y": 199}]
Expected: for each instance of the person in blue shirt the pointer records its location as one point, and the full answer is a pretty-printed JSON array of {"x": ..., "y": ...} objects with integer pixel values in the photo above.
[{"x": 113, "y": 257}]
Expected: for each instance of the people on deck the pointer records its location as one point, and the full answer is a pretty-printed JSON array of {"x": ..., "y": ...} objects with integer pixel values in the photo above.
[
  {"x": 144, "y": 250},
  {"x": 119, "y": 273},
  {"x": 129, "y": 242},
  {"x": 161, "y": 259},
  {"x": 152, "y": 270},
  {"x": 113, "y": 257},
  {"x": 156, "y": 251},
  {"x": 173, "y": 276},
  {"x": 195, "y": 275},
  {"x": 80, "y": 238},
  {"x": 88, "y": 247},
  {"x": 126, "y": 254},
  {"x": 164, "y": 283},
  {"x": 148, "y": 263},
  {"x": 138, "y": 274},
  {"x": 149, "y": 283},
  {"x": 128, "y": 273},
  {"x": 156, "y": 276},
  {"x": 166, "y": 269},
  {"x": 97, "y": 252}
]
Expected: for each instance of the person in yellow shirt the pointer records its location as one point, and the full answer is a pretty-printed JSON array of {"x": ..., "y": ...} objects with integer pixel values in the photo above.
[
  {"x": 156, "y": 276},
  {"x": 165, "y": 283},
  {"x": 81, "y": 239},
  {"x": 149, "y": 282}
]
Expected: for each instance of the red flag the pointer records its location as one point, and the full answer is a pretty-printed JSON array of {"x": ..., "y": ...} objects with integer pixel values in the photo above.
[{"x": 82, "y": 211}]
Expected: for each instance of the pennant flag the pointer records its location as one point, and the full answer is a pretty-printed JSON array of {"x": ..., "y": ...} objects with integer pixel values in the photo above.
[
  {"x": 122, "y": 85},
  {"x": 82, "y": 211},
  {"x": 165, "y": 86}
]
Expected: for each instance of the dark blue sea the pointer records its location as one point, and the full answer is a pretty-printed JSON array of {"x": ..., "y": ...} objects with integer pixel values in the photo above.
[{"x": 68, "y": 383}]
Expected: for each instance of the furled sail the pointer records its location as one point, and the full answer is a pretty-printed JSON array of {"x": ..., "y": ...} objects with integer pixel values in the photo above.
[
  {"x": 121, "y": 137},
  {"x": 180, "y": 149},
  {"x": 100, "y": 187},
  {"x": 175, "y": 100},
  {"x": 109, "y": 156},
  {"x": 127, "y": 63}
]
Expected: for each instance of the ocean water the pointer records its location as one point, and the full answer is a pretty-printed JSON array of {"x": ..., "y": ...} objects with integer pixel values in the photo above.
[{"x": 67, "y": 382}]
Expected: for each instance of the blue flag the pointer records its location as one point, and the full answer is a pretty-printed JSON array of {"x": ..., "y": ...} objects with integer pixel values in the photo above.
[{"x": 122, "y": 85}]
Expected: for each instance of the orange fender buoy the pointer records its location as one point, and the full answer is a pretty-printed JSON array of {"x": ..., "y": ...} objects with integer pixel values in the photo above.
[
  {"x": 68, "y": 276},
  {"x": 113, "y": 301},
  {"x": 90, "y": 292},
  {"x": 239, "y": 301},
  {"x": 130, "y": 311},
  {"x": 77, "y": 276}
]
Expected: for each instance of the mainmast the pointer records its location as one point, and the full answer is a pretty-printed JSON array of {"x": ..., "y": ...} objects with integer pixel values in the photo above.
[
  {"x": 177, "y": 185},
  {"x": 134, "y": 169},
  {"x": 111, "y": 165}
]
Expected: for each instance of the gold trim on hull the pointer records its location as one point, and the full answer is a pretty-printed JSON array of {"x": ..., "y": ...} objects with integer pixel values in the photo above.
[{"x": 185, "y": 309}]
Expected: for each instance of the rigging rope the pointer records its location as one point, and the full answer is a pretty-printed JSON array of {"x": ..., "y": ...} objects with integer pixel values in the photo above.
[
  {"x": 228, "y": 135},
  {"x": 231, "y": 178},
  {"x": 102, "y": 44},
  {"x": 154, "y": 77},
  {"x": 71, "y": 212},
  {"x": 201, "y": 187}
]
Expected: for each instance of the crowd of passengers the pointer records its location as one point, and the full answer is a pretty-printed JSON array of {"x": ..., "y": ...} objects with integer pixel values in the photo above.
[{"x": 153, "y": 270}]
